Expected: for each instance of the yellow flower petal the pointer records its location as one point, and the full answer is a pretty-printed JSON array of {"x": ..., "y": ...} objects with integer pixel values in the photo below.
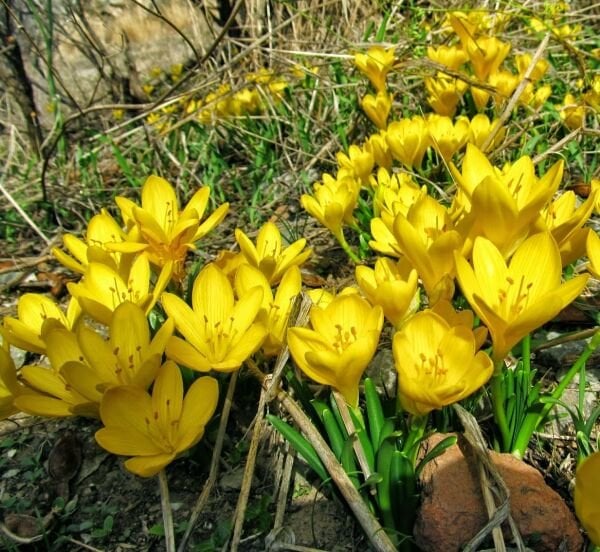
[
  {"x": 43, "y": 405},
  {"x": 199, "y": 405},
  {"x": 213, "y": 220},
  {"x": 83, "y": 379},
  {"x": 126, "y": 407},
  {"x": 148, "y": 466},
  {"x": 212, "y": 294},
  {"x": 117, "y": 441},
  {"x": 184, "y": 353},
  {"x": 167, "y": 398},
  {"x": 160, "y": 201},
  {"x": 197, "y": 202}
]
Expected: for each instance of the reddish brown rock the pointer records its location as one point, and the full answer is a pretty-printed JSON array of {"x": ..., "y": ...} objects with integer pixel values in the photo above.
[{"x": 452, "y": 509}]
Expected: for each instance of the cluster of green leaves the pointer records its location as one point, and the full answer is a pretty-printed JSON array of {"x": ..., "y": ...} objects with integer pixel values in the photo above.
[{"x": 389, "y": 443}]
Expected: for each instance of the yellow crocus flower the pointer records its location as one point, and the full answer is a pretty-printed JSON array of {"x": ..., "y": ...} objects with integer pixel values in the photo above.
[
  {"x": 565, "y": 220},
  {"x": 427, "y": 238},
  {"x": 245, "y": 101},
  {"x": 375, "y": 65},
  {"x": 448, "y": 137},
  {"x": 486, "y": 54},
  {"x": 474, "y": 22},
  {"x": 444, "y": 93},
  {"x": 540, "y": 96},
  {"x": 567, "y": 32},
  {"x": 408, "y": 140},
  {"x": 50, "y": 394},
  {"x": 392, "y": 286},
  {"x": 502, "y": 205},
  {"x": 277, "y": 87},
  {"x": 394, "y": 193},
  {"x": 523, "y": 61},
  {"x": 340, "y": 345},
  {"x": 437, "y": 363},
  {"x": 592, "y": 96},
  {"x": 587, "y": 496},
  {"x": 103, "y": 289},
  {"x": 220, "y": 333},
  {"x": 516, "y": 298},
  {"x": 155, "y": 429},
  {"x": 128, "y": 357},
  {"x": 83, "y": 365},
  {"x": 377, "y": 108},
  {"x": 480, "y": 97},
  {"x": 33, "y": 309},
  {"x": 384, "y": 241},
  {"x": 572, "y": 112},
  {"x": 167, "y": 232},
  {"x": 451, "y": 57},
  {"x": 504, "y": 83},
  {"x": 102, "y": 231},
  {"x": 268, "y": 255},
  {"x": 358, "y": 163},
  {"x": 333, "y": 203},
  {"x": 377, "y": 145},
  {"x": 481, "y": 127},
  {"x": 276, "y": 309}
]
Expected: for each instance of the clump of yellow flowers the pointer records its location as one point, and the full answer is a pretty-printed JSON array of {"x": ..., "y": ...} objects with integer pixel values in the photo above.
[
  {"x": 499, "y": 235},
  {"x": 260, "y": 90},
  {"x": 102, "y": 353}
]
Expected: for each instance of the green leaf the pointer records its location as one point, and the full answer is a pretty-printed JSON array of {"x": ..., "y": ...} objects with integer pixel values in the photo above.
[
  {"x": 305, "y": 396},
  {"x": 374, "y": 412},
  {"x": 348, "y": 462},
  {"x": 334, "y": 434},
  {"x": 336, "y": 412},
  {"x": 384, "y": 499},
  {"x": 300, "y": 445},
  {"x": 363, "y": 439},
  {"x": 108, "y": 524},
  {"x": 157, "y": 530},
  {"x": 402, "y": 486},
  {"x": 435, "y": 452}
]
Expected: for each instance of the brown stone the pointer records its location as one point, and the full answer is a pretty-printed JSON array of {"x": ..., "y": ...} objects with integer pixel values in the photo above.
[{"x": 452, "y": 509}]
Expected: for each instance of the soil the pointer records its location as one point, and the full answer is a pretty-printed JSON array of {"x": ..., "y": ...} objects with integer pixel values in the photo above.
[{"x": 108, "y": 508}]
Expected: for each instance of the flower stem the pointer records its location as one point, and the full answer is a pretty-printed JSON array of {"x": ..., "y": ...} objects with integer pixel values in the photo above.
[
  {"x": 418, "y": 424},
  {"x": 346, "y": 247},
  {"x": 526, "y": 353},
  {"x": 498, "y": 400},
  {"x": 167, "y": 512}
]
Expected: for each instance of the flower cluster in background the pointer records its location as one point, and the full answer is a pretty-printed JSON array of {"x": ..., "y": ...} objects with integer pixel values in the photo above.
[{"x": 261, "y": 90}]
